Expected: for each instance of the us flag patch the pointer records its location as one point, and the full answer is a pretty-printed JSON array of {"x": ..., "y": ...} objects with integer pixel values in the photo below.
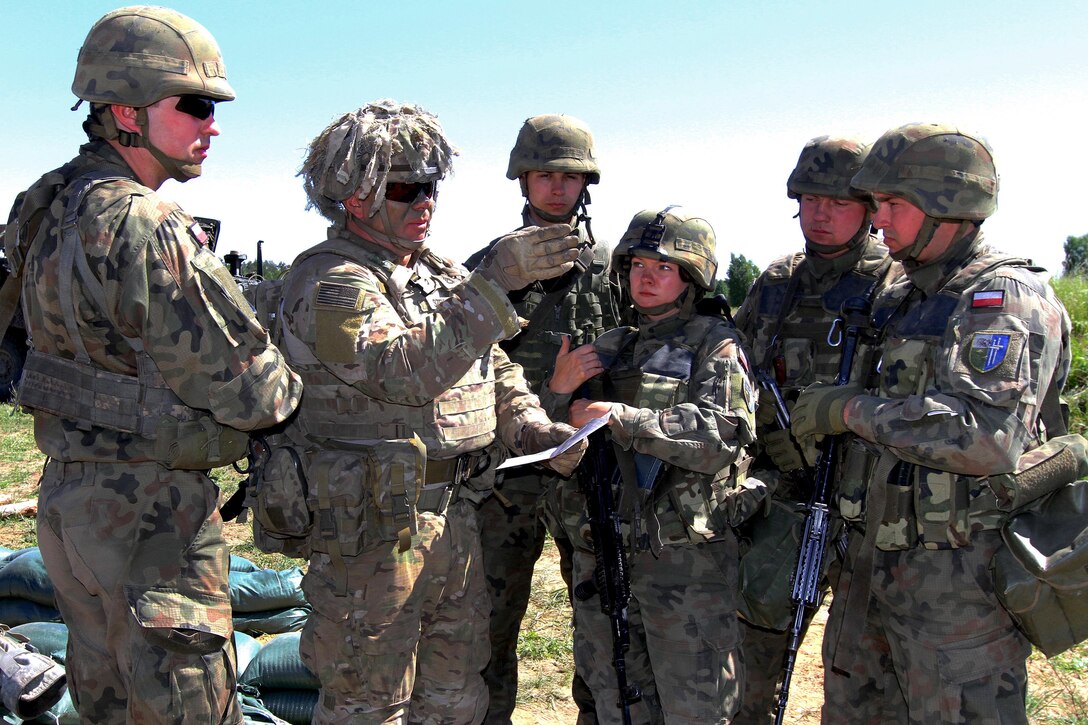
[
  {"x": 330, "y": 294},
  {"x": 988, "y": 298}
]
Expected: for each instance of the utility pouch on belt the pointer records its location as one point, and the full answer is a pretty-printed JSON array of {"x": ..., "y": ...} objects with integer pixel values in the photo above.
[
  {"x": 898, "y": 529},
  {"x": 766, "y": 575},
  {"x": 396, "y": 479},
  {"x": 196, "y": 445},
  {"x": 282, "y": 521},
  {"x": 859, "y": 460},
  {"x": 1041, "y": 574},
  {"x": 1041, "y": 471}
]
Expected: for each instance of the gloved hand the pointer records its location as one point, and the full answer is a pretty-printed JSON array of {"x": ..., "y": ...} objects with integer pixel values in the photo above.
[
  {"x": 537, "y": 437},
  {"x": 819, "y": 409},
  {"x": 30, "y": 682},
  {"x": 766, "y": 409},
  {"x": 782, "y": 449},
  {"x": 530, "y": 254}
]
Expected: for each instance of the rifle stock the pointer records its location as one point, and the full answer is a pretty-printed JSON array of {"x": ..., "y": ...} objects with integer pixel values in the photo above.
[{"x": 611, "y": 578}]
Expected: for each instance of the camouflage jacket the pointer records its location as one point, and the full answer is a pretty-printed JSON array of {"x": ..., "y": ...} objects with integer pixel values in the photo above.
[
  {"x": 975, "y": 355},
  {"x": 388, "y": 351},
  {"x": 695, "y": 418},
  {"x": 162, "y": 292}
]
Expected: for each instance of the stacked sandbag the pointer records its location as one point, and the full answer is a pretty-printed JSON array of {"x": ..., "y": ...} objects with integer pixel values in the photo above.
[
  {"x": 266, "y": 601},
  {"x": 26, "y": 593},
  {"x": 287, "y": 687}
]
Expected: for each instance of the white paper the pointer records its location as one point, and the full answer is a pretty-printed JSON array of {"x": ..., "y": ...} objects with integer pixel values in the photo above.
[{"x": 546, "y": 455}]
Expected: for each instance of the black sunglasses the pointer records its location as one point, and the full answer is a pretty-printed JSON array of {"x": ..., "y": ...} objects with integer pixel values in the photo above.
[
  {"x": 408, "y": 193},
  {"x": 196, "y": 106}
]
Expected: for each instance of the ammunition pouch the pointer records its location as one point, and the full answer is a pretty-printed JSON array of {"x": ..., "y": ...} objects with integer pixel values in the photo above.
[
  {"x": 766, "y": 570},
  {"x": 197, "y": 445},
  {"x": 282, "y": 521},
  {"x": 859, "y": 460},
  {"x": 1041, "y": 574}
]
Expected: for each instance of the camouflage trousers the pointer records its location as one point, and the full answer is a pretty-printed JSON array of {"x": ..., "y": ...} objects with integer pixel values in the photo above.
[
  {"x": 138, "y": 561},
  {"x": 513, "y": 521},
  {"x": 684, "y": 636},
  {"x": 935, "y": 645},
  {"x": 407, "y": 640}
]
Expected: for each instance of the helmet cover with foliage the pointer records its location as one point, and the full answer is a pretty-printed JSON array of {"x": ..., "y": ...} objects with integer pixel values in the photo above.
[
  {"x": 674, "y": 235},
  {"x": 948, "y": 174},
  {"x": 136, "y": 56},
  {"x": 361, "y": 151},
  {"x": 826, "y": 166},
  {"x": 554, "y": 142}
]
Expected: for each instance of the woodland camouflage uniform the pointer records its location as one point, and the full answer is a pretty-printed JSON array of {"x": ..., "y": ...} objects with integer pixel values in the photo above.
[
  {"x": 786, "y": 319},
  {"x": 586, "y": 302},
  {"x": 975, "y": 356},
  {"x": 687, "y": 402},
  {"x": 407, "y": 397},
  {"x": 146, "y": 365}
]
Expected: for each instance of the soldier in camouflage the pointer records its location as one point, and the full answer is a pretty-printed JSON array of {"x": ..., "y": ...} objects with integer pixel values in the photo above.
[
  {"x": 554, "y": 163},
  {"x": 975, "y": 356},
  {"x": 146, "y": 366},
  {"x": 681, "y": 410},
  {"x": 785, "y": 320},
  {"x": 408, "y": 398}
]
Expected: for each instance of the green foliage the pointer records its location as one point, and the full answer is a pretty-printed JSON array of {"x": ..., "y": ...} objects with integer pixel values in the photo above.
[
  {"x": 272, "y": 270},
  {"x": 1072, "y": 290},
  {"x": 1076, "y": 256},
  {"x": 738, "y": 280}
]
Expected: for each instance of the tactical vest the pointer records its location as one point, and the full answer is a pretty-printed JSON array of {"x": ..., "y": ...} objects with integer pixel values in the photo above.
[
  {"x": 927, "y": 506},
  {"x": 795, "y": 315},
  {"x": 460, "y": 420},
  {"x": 669, "y": 504},
  {"x": 91, "y": 396}
]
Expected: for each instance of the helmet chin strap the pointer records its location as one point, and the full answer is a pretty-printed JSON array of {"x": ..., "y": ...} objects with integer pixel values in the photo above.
[
  {"x": 175, "y": 168},
  {"x": 921, "y": 241}
]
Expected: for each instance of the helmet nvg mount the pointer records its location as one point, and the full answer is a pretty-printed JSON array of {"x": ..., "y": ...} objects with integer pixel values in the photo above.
[
  {"x": 671, "y": 234},
  {"x": 137, "y": 56}
]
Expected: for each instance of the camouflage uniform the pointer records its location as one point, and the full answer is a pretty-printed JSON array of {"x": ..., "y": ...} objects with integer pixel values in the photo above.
[
  {"x": 683, "y": 552},
  {"x": 975, "y": 356},
  {"x": 406, "y": 395},
  {"x": 146, "y": 364},
  {"x": 786, "y": 319},
  {"x": 526, "y": 500},
  {"x": 134, "y": 546}
]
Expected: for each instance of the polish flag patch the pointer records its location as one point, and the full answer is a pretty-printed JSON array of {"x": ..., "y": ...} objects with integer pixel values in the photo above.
[{"x": 988, "y": 298}]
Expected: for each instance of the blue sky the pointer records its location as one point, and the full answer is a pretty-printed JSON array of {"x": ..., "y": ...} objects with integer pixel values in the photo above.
[{"x": 703, "y": 104}]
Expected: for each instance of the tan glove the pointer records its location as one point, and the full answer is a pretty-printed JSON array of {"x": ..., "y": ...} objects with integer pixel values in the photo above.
[
  {"x": 30, "y": 682},
  {"x": 530, "y": 254},
  {"x": 538, "y": 437},
  {"x": 782, "y": 450},
  {"x": 819, "y": 409}
]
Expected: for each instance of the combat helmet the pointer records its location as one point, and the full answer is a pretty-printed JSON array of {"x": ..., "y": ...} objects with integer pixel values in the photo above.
[
  {"x": 139, "y": 55},
  {"x": 675, "y": 235},
  {"x": 948, "y": 174},
  {"x": 826, "y": 166},
  {"x": 554, "y": 142},
  {"x": 362, "y": 151}
]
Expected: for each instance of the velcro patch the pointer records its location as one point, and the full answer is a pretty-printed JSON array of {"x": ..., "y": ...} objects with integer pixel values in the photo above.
[
  {"x": 339, "y": 296},
  {"x": 988, "y": 298},
  {"x": 198, "y": 233}
]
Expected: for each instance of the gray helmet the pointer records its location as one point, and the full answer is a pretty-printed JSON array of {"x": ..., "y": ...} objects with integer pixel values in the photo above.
[
  {"x": 137, "y": 56},
  {"x": 948, "y": 174},
  {"x": 826, "y": 166},
  {"x": 671, "y": 234},
  {"x": 554, "y": 143},
  {"x": 362, "y": 151}
]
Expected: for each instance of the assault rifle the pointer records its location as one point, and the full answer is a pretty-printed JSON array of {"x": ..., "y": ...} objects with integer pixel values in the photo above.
[
  {"x": 815, "y": 536},
  {"x": 611, "y": 577}
]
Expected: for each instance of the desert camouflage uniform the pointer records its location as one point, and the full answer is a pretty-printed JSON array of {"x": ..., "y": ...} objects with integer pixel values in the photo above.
[
  {"x": 135, "y": 549},
  {"x": 399, "y": 628},
  {"x": 526, "y": 500},
  {"x": 785, "y": 320},
  {"x": 684, "y": 633},
  {"x": 975, "y": 355}
]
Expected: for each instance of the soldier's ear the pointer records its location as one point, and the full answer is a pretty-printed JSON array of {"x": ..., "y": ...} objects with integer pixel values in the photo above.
[
  {"x": 353, "y": 205},
  {"x": 125, "y": 117}
]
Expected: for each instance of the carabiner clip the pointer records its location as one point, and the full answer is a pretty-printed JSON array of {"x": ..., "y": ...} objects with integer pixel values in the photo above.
[{"x": 836, "y": 331}]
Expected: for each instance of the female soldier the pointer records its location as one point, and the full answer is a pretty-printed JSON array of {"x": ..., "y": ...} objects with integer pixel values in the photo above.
[{"x": 680, "y": 411}]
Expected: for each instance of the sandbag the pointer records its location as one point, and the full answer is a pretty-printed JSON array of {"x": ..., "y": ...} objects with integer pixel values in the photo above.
[
  {"x": 240, "y": 563},
  {"x": 1041, "y": 575},
  {"x": 266, "y": 589},
  {"x": 14, "y": 612},
  {"x": 49, "y": 638},
  {"x": 246, "y": 648},
  {"x": 276, "y": 621},
  {"x": 279, "y": 666},
  {"x": 24, "y": 577},
  {"x": 253, "y": 709},
  {"x": 294, "y": 706}
]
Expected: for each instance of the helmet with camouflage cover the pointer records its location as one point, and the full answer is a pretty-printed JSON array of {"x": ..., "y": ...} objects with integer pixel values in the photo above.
[
  {"x": 136, "y": 56},
  {"x": 826, "y": 166},
  {"x": 948, "y": 174},
  {"x": 671, "y": 234},
  {"x": 554, "y": 142},
  {"x": 362, "y": 151}
]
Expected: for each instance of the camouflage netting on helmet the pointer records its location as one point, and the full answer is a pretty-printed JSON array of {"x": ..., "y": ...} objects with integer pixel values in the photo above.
[
  {"x": 553, "y": 142},
  {"x": 947, "y": 173},
  {"x": 826, "y": 166},
  {"x": 671, "y": 234},
  {"x": 362, "y": 150}
]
